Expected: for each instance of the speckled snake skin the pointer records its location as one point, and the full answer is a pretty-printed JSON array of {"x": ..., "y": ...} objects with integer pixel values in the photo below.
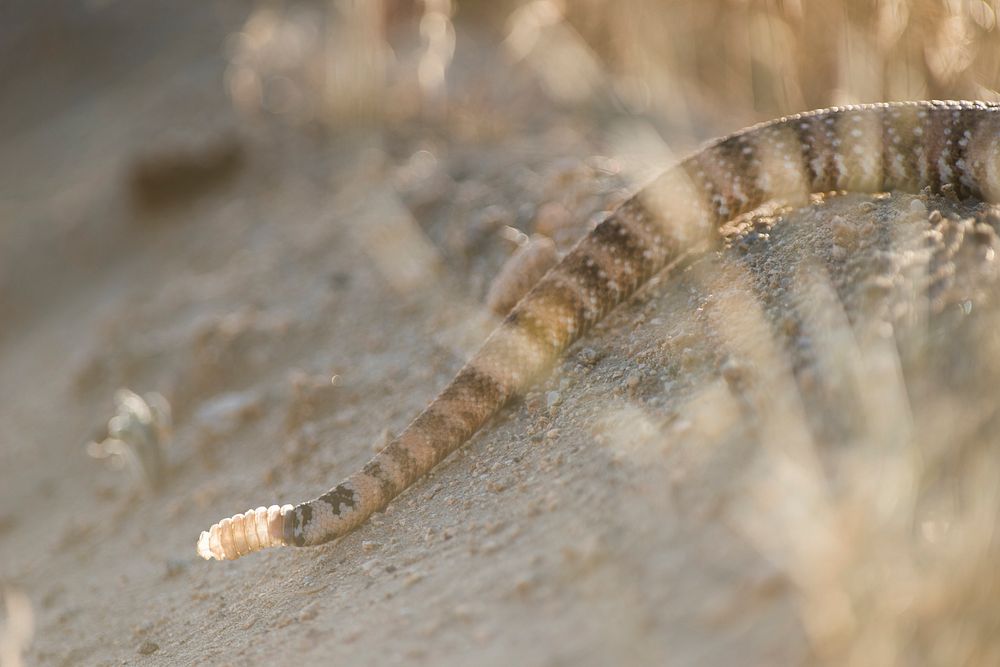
[{"x": 903, "y": 147}]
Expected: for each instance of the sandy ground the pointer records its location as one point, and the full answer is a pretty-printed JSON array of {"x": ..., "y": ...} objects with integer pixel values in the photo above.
[{"x": 607, "y": 518}]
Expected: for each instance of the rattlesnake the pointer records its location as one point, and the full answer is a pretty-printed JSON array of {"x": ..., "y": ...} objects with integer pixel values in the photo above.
[{"x": 905, "y": 146}]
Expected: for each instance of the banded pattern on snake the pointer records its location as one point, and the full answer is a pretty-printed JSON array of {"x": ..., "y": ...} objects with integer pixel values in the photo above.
[{"x": 905, "y": 147}]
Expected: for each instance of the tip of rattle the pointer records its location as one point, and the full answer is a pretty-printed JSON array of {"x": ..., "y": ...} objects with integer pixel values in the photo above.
[{"x": 204, "y": 550}]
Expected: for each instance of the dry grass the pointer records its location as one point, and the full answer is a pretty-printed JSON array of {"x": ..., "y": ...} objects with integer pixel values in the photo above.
[
  {"x": 690, "y": 66},
  {"x": 16, "y": 627},
  {"x": 890, "y": 541},
  {"x": 779, "y": 56},
  {"x": 888, "y": 536}
]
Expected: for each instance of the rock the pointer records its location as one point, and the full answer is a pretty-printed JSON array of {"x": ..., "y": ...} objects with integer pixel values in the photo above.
[
  {"x": 182, "y": 169},
  {"x": 148, "y": 647},
  {"x": 552, "y": 399}
]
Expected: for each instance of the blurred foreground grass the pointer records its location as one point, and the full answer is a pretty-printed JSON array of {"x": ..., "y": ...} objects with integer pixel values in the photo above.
[
  {"x": 889, "y": 538},
  {"x": 890, "y": 541},
  {"x": 678, "y": 62}
]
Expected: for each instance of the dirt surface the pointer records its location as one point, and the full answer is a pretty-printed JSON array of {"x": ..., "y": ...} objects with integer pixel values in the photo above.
[{"x": 613, "y": 516}]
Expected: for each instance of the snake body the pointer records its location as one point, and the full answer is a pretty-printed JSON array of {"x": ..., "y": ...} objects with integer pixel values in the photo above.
[{"x": 903, "y": 147}]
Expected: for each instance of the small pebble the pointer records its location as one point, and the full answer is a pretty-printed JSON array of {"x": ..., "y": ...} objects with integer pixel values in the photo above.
[
  {"x": 148, "y": 647},
  {"x": 524, "y": 586},
  {"x": 552, "y": 399},
  {"x": 496, "y": 486},
  {"x": 588, "y": 356},
  {"x": 309, "y": 612},
  {"x": 844, "y": 233}
]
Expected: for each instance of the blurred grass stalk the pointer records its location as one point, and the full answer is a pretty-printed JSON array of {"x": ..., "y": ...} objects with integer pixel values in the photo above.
[{"x": 16, "y": 629}]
